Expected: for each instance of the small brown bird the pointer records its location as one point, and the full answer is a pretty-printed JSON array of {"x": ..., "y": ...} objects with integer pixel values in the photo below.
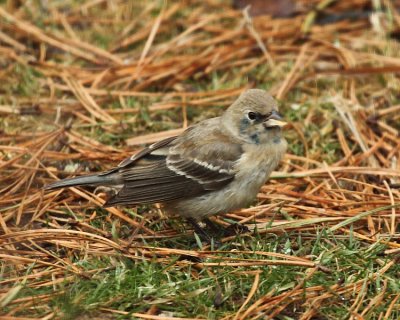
[{"x": 215, "y": 166}]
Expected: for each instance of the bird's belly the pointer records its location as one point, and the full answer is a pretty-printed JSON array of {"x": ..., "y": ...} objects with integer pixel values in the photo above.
[{"x": 237, "y": 194}]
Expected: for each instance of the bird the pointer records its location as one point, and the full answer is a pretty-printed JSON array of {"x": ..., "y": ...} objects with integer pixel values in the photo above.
[{"x": 215, "y": 166}]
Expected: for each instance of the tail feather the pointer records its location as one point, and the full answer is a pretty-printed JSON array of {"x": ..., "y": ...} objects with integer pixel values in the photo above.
[{"x": 94, "y": 179}]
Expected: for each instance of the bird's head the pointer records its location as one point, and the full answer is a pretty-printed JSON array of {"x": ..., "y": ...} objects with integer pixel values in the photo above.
[{"x": 254, "y": 118}]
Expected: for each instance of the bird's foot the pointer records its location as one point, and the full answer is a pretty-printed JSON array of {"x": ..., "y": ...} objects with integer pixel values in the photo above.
[
  {"x": 214, "y": 232},
  {"x": 235, "y": 229},
  {"x": 204, "y": 236},
  {"x": 232, "y": 230}
]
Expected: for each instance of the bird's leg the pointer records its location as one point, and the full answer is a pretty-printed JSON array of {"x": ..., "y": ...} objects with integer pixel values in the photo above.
[
  {"x": 199, "y": 230},
  {"x": 217, "y": 231},
  {"x": 235, "y": 229},
  {"x": 215, "y": 228},
  {"x": 231, "y": 230}
]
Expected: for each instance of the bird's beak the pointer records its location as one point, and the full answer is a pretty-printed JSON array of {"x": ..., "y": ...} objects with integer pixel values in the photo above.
[{"x": 275, "y": 120}]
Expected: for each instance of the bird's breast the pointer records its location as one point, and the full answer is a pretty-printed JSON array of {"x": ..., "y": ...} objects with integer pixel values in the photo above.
[{"x": 258, "y": 161}]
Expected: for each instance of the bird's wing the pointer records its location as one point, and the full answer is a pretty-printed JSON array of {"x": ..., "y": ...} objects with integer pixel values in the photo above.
[
  {"x": 192, "y": 164},
  {"x": 157, "y": 148}
]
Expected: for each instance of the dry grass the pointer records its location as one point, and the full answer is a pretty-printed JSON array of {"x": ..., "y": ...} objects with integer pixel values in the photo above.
[{"x": 84, "y": 85}]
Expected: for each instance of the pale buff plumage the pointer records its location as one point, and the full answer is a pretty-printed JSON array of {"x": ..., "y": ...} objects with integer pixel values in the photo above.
[{"x": 215, "y": 166}]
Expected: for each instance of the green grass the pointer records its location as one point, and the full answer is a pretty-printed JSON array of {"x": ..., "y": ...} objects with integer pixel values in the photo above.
[{"x": 186, "y": 291}]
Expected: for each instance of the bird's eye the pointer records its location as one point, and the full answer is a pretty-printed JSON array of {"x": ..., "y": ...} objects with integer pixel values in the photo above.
[{"x": 252, "y": 115}]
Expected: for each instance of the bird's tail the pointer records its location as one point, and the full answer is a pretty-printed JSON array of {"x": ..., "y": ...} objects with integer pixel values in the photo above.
[{"x": 93, "y": 179}]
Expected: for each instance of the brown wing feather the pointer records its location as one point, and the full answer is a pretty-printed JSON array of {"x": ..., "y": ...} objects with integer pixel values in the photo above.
[
  {"x": 209, "y": 176},
  {"x": 153, "y": 182}
]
